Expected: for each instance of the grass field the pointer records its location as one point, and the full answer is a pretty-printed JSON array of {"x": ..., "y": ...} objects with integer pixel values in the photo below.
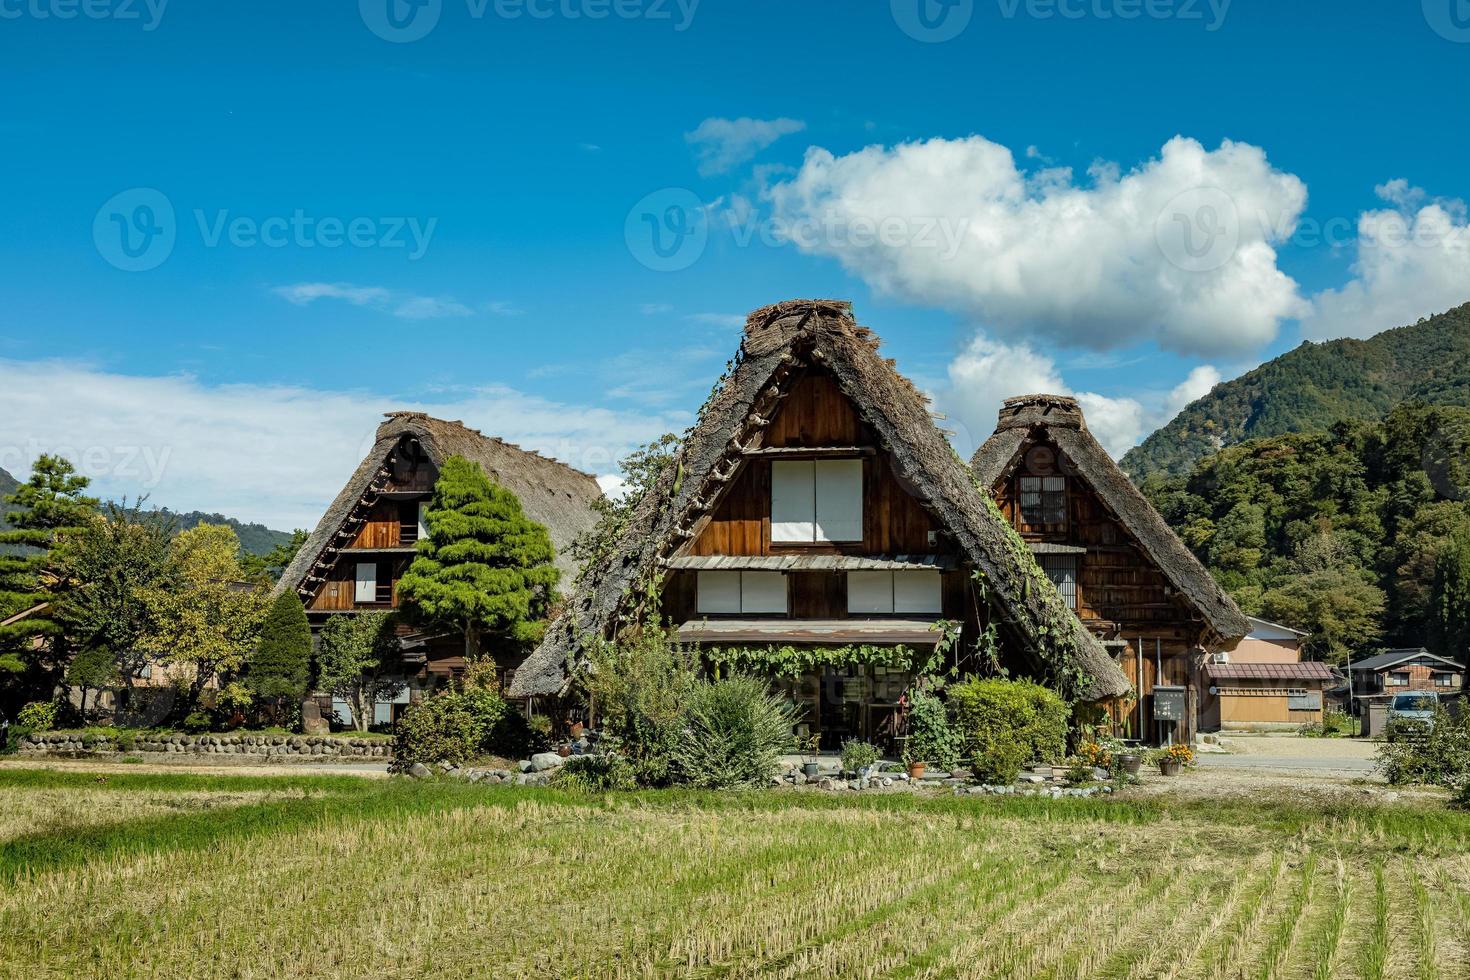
[{"x": 179, "y": 875}]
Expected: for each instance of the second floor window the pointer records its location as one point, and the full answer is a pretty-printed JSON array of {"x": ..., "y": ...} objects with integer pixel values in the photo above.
[
  {"x": 1062, "y": 570},
  {"x": 1044, "y": 499},
  {"x": 816, "y": 500},
  {"x": 740, "y": 592}
]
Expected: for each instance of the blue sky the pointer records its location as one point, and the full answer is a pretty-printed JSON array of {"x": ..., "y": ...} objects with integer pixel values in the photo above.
[{"x": 1028, "y": 179}]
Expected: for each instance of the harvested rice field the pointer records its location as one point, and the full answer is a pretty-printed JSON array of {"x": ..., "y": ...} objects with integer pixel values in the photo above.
[{"x": 184, "y": 876}]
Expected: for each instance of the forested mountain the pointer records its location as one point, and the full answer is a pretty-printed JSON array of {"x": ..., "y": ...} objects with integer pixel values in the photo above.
[
  {"x": 1316, "y": 386},
  {"x": 1338, "y": 532},
  {"x": 8, "y": 484},
  {"x": 255, "y": 539}
]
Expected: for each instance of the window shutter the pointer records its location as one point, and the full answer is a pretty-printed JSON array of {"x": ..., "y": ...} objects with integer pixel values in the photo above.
[
  {"x": 718, "y": 592},
  {"x": 367, "y": 581},
  {"x": 423, "y": 524},
  {"x": 870, "y": 592},
  {"x": 762, "y": 592},
  {"x": 916, "y": 592},
  {"x": 839, "y": 496},
  {"x": 793, "y": 512}
]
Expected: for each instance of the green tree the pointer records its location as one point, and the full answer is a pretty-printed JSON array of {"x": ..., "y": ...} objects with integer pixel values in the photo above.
[
  {"x": 45, "y": 509},
  {"x": 91, "y": 671},
  {"x": 206, "y": 617},
  {"x": 271, "y": 565},
  {"x": 108, "y": 565},
  {"x": 357, "y": 659},
  {"x": 1339, "y": 607},
  {"x": 279, "y": 668},
  {"x": 485, "y": 567},
  {"x": 1449, "y": 619},
  {"x": 641, "y": 470}
]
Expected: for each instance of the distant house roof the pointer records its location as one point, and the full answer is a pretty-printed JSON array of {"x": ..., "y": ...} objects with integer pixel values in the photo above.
[
  {"x": 1261, "y": 628},
  {"x": 551, "y": 493},
  {"x": 1059, "y": 420},
  {"x": 1310, "y": 670},
  {"x": 25, "y": 614},
  {"x": 1392, "y": 658}
]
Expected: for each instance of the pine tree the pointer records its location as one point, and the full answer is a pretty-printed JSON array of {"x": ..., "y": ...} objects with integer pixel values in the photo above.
[
  {"x": 45, "y": 509},
  {"x": 485, "y": 567},
  {"x": 1449, "y": 619},
  {"x": 280, "y": 665}
]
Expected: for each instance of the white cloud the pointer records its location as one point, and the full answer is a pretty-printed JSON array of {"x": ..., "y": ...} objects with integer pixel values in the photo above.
[
  {"x": 1200, "y": 382},
  {"x": 270, "y": 453},
  {"x": 402, "y": 305},
  {"x": 987, "y": 372},
  {"x": 723, "y": 144},
  {"x": 1413, "y": 260},
  {"x": 1100, "y": 263}
]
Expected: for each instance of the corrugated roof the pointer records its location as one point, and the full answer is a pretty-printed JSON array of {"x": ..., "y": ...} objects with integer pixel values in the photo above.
[
  {"x": 809, "y": 563},
  {"x": 1310, "y": 670},
  {"x": 1392, "y": 658}
]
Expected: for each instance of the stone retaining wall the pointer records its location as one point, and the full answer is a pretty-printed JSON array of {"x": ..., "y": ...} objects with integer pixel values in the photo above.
[{"x": 273, "y": 746}]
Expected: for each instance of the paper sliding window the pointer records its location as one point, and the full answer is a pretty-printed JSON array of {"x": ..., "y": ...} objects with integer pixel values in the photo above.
[
  {"x": 816, "y": 501},
  {"x": 740, "y": 592},
  {"x": 900, "y": 593},
  {"x": 367, "y": 582}
]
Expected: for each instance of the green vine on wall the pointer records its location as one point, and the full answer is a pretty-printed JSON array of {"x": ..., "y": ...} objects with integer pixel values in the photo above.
[{"x": 793, "y": 661}]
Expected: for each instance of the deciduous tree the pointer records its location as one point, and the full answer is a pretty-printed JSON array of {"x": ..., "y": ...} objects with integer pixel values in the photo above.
[{"x": 357, "y": 659}]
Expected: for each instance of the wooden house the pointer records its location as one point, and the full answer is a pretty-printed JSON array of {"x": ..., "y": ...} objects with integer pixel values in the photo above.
[
  {"x": 1264, "y": 683},
  {"x": 352, "y": 562},
  {"x": 1383, "y": 675},
  {"x": 1120, "y": 568},
  {"x": 815, "y": 505}
]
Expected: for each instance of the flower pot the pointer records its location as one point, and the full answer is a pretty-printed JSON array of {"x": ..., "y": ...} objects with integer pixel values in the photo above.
[
  {"x": 1170, "y": 767},
  {"x": 565, "y": 751},
  {"x": 811, "y": 770},
  {"x": 916, "y": 769},
  {"x": 1131, "y": 763}
]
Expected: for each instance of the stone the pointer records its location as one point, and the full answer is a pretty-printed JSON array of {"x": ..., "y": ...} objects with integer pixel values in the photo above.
[
  {"x": 542, "y": 761},
  {"x": 1101, "y": 775},
  {"x": 1032, "y": 777},
  {"x": 887, "y": 782},
  {"x": 419, "y": 771},
  {"x": 524, "y": 766}
]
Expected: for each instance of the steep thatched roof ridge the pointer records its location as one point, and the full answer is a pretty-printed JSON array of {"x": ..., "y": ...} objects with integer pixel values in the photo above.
[
  {"x": 777, "y": 339},
  {"x": 552, "y": 493},
  {"x": 1060, "y": 420}
]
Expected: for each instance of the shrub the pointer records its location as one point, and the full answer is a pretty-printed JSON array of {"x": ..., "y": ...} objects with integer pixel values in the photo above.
[
  {"x": 999, "y": 763},
  {"x": 453, "y": 726},
  {"x": 733, "y": 734},
  {"x": 639, "y": 686},
  {"x": 38, "y": 716},
  {"x": 858, "y": 755},
  {"x": 601, "y": 773},
  {"x": 513, "y": 737},
  {"x": 197, "y": 722},
  {"x": 1438, "y": 754},
  {"x": 991, "y": 713},
  {"x": 932, "y": 738}
]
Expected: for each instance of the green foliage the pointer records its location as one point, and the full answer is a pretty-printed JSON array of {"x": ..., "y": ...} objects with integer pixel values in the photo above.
[
  {"x": 732, "y": 735},
  {"x": 197, "y": 722},
  {"x": 1313, "y": 388},
  {"x": 280, "y": 666},
  {"x": 1337, "y": 532},
  {"x": 92, "y": 671},
  {"x": 270, "y": 564},
  {"x": 931, "y": 737},
  {"x": 451, "y": 726},
  {"x": 998, "y": 763},
  {"x": 485, "y": 567},
  {"x": 639, "y": 685},
  {"x": 111, "y": 563},
  {"x": 357, "y": 660},
  {"x": 793, "y": 661},
  {"x": 200, "y": 616},
  {"x": 38, "y": 716},
  {"x": 858, "y": 755},
  {"x": 1439, "y": 754},
  {"x": 44, "y": 510},
  {"x": 1005, "y": 722},
  {"x": 602, "y": 773},
  {"x": 1449, "y": 609},
  {"x": 641, "y": 470}
]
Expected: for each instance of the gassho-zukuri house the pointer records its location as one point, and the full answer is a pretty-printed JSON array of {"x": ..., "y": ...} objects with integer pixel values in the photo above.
[
  {"x": 816, "y": 504},
  {"x": 352, "y": 562},
  {"x": 1118, "y": 565}
]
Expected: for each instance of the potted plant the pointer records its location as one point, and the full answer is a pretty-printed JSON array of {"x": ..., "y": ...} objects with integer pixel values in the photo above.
[
  {"x": 914, "y": 763},
  {"x": 859, "y": 757},
  {"x": 811, "y": 750},
  {"x": 1174, "y": 758}
]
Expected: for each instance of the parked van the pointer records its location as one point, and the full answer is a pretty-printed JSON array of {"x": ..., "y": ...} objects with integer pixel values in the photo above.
[{"x": 1415, "y": 706}]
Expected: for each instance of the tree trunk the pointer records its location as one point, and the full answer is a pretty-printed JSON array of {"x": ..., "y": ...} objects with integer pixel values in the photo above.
[
  {"x": 363, "y": 708},
  {"x": 471, "y": 642}
]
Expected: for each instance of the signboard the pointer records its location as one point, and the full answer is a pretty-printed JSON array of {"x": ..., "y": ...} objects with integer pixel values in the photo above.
[{"x": 1169, "y": 704}]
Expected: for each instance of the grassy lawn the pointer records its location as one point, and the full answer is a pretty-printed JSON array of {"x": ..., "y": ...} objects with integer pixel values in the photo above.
[{"x": 189, "y": 875}]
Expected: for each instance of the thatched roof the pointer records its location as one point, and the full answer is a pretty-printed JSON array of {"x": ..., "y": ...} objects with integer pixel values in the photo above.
[
  {"x": 551, "y": 493},
  {"x": 1058, "y": 420},
  {"x": 779, "y": 341}
]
